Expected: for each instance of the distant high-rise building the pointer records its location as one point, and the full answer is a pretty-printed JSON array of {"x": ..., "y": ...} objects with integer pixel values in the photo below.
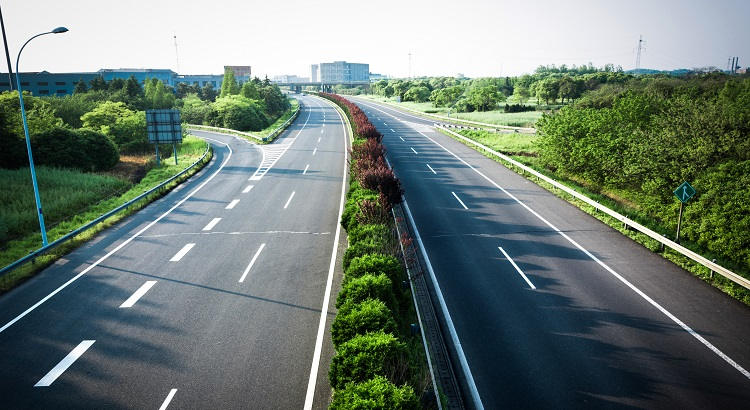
[
  {"x": 239, "y": 70},
  {"x": 314, "y": 73},
  {"x": 343, "y": 72}
]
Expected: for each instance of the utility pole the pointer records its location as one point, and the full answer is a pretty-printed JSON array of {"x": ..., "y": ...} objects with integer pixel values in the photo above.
[
  {"x": 176, "y": 54},
  {"x": 7, "y": 54},
  {"x": 638, "y": 57}
]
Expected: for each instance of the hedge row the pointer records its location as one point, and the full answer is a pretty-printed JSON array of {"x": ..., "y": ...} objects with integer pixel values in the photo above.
[{"x": 371, "y": 360}]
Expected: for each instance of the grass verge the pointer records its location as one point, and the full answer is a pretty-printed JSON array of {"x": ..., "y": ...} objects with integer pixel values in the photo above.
[{"x": 189, "y": 151}]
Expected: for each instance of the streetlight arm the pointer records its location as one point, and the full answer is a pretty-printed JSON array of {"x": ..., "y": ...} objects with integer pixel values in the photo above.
[{"x": 20, "y": 51}]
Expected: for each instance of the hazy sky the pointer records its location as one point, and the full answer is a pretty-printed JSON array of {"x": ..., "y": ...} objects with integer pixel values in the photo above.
[{"x": 473, "y": 37}]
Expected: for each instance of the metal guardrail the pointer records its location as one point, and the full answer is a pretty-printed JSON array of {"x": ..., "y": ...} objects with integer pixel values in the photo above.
[
  {"x": 99, "y": 219},
  {"x": 275, "y": 133},
  {"x": 713, "y": 266}
]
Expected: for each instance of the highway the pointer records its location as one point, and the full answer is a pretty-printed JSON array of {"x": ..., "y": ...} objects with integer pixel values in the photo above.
[
  {"x": 553, "y": 309},
  {"x": 214, "y": 296}
]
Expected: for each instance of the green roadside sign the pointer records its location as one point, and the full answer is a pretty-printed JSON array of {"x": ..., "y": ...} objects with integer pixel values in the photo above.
[{"x": 684, "y": 192}]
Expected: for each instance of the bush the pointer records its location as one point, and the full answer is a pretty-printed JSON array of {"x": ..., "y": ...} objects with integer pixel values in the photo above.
[
  {"x": 368, "y": 231},
  {"x": 376, "y": 393},
  {"x": 365, "y": 287},
  {"x": 86, "y": 150},
  {"x": 372, "y": 245},
  {"x": 237, "y": 113},
  {"x": 365, "y": 317},
  {"x": 364, "y": 357},
  {"x": 375, "y": 265}
]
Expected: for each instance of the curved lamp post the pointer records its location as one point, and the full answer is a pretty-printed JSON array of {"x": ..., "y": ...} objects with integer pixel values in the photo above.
[{"x": 26, "y": 132}]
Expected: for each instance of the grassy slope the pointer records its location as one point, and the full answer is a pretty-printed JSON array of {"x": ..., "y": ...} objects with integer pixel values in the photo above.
[{"x": 189, "y": 151}]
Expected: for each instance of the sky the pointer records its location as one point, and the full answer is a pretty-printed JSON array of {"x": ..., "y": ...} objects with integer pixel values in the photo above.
[{"x": 472, "y": 37}]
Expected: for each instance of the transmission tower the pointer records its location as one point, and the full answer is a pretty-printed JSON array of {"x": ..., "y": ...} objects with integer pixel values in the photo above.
[
  {"x": 176, "y": 54},
  {"x": 641, "y": 44},
  {"x": 409, "y": 64}
]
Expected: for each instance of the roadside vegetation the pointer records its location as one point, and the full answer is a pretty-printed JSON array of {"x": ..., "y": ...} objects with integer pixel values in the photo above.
[
  {"x": 379, "y": 361},
  {"x": 630, "y": 146}
]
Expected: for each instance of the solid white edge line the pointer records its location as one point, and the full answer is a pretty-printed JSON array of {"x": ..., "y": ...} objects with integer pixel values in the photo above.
[
  {"x": 433, "y": 171},
  {"x": 252, "y": 262},
  {"x": 329, "y": 283},
  {"x": 606, "y": 267},
  {"x": 413, "y": 150},
  {"x": 232, "y": 204},
  {"x": 520, "y": 272},
  {"x": 247, "y": 189},
  {"x": 66, "y": 362},
  {"x": 290, "y": 199},
  {"x": 138, "y": 294},
  {"x": 305, "y": 171},
  {"x": 211, "y": 224},
  {"x": 167, "y": 400},
  {"x": 120, "y": 246},
  {"x": 182, "y": 252},
  {"x": 459, "y": 200},
  {"x": 451, "y": 328}
]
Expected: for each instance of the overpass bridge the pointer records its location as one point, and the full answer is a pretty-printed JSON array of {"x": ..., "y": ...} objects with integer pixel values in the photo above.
[{"x": 325, "y": 86}]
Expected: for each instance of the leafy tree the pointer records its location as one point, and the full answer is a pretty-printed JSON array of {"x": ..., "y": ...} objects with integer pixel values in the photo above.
[
  {"x": 547, "y": 89},
  {"x": 80, "y": 87},
  {"x": 70, "y": 108},
  {"x": 229, "y": 84},
  {"x": 98, "y": 83},
  {"x": 82, "y": 149},
  {"x": 193, "y": 110},
  {"x": 446, "y": 96},
  {"x": 418, "y": 93},
  {"x": 275, "y": 101},
  {"x": 105, "y": 114},
  {"x": 132, "y": 87},
  {"x": 521, "y": 93},
  {"x": 208, "y": 93},
  {"x": 250, "y": 90},
  {"x": 157, "y": 95},
  {"x": 237, "y": 113},
  {"x": 116, "y": 84},
  {"x": 484, "y": 98}
]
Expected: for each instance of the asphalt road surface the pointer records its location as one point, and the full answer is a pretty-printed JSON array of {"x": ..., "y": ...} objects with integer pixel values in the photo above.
[
  {"x": 211, "y": 297},
  {"x": 554, "y": 309}
]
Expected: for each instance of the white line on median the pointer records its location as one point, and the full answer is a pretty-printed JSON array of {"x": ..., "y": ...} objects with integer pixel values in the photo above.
[
  {"x": 252, "y": 262},
  {"x": 58, "y": 370},
  {"x": 413, "y": 150},
  {"x": 306, "y": 167},
  {"x": 138, "y": 294},
  {"x": 185, "y": 249},
  {"x": 232, "y": 204},
  {"x": 315, "y": 150},
  {"x": 520, "y": 272},
  {"x": 169, "y": 398},
  {"x": 459, "y": 200},
  {"x": 289, "y": 200},
  {"x": 211, "y": 224},
  {"x": 247, "y": 189},
  {"x": 433, "y": 171}
]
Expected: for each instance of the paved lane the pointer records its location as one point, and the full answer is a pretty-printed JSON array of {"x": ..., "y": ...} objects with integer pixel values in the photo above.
[
  {"x": 215, "y": 305},
  {"x": 543, "y": 324}
]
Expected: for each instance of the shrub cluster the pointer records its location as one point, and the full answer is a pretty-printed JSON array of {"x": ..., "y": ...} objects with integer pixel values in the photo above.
[
  {"x": 518, "y": 108},
  {"x": 371, "y": 358}
]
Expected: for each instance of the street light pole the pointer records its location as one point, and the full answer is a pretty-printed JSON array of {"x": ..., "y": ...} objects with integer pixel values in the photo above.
[
  {"x": 28, "y": 140},
  {"x": 7, "y": 54}
]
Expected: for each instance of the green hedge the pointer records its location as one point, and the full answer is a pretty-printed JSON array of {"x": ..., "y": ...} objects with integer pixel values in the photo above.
[
  {"x": 369, "y": 316},
  {"x": 82, "y": 149},
  {"x": 375, "y": 264},
  {"x": 364, "y": 357},
  {"x": 369, "y": 286},
  {"x": 376, "y": 393}
]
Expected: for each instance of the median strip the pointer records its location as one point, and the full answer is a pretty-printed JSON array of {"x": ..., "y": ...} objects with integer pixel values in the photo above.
[{"x": 61, "y": 367}]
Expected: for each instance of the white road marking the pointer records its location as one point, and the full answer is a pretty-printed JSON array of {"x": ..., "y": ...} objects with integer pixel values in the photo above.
[
  {"x": 138, "y": 294},
  {"x": 392, "y": 130},
  {"x": 321, "y": 131},
  {"x": 247, "y": 189},
  {"x": 232, "y": 204},
  {"x": 315, "y": 150},
  {"x": 211, "y": 224},
  {"x": 606, "y": 267},
  {"x": 319, "y": 138},
  {"x": 329, "y": 284},
  {"x": 433, "y": 171},
  {"x": 402, "y": 139},
  {"x": 324, "y": 124},
  {"x": 413, "y": 150},
  {"x": 459, "y": 200},
  {"x": 58, "y": 370},
  {"x": 169, "y": 398},
  {"x": 252, "y": 262},
  {"x": 520, "y": 272},
  {"x": 182, "y": 252},
  {"x": 272, "y": 153},
  {"x": 306, "y": 167},
  {"x": 289, "y": 200}
]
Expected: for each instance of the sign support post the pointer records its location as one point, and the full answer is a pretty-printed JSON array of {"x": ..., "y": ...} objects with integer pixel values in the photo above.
[
  {"x": 164, "y": 126},
  {"x": 683, "y": 192}
]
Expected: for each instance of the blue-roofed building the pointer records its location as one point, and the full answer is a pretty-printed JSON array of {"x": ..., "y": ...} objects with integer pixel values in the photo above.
[{"x": 45, "y": 83}]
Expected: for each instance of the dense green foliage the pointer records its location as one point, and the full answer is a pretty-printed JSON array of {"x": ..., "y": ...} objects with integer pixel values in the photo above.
[
  {"x": 82, "y": 149},
  {"x": 371, "y": 315},
  {"x": 366, "y": 356},
  {"x": 648, "y": 136},
  {"x": 369, "y": 286},
  {"x": 375, "y": 394}
]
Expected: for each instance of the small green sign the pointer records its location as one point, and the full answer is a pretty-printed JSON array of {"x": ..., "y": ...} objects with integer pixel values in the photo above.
[{"x": 684, "y": 192}]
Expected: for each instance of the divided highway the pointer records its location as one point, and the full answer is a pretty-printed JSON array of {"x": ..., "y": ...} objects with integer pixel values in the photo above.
[
  {"x": 554, "y": 309},
  {"x": 211, "y": 297}
]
